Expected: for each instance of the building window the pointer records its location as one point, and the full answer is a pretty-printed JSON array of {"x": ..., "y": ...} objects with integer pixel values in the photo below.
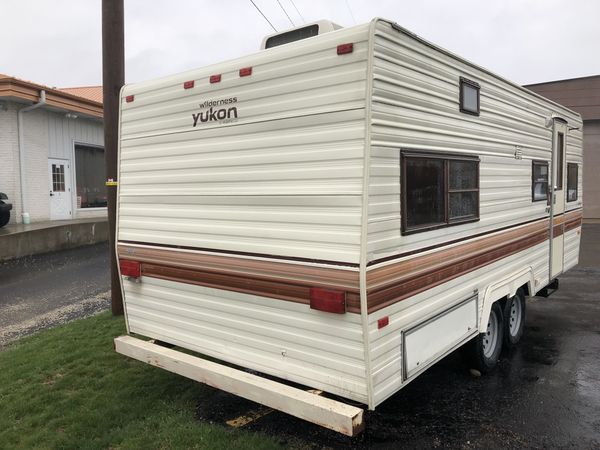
[
  {"x": 539, "y": 180},
  {"x": 438, "y": 190},
  {"x": 469, "y": 96},
  {"x": 572, "y": 180},
  {"x": 90, "y": 176},
  {"x": 58, "y": 177}
]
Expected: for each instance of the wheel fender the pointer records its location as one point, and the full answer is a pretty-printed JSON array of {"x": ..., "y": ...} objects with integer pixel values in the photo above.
[{"x": 506, "y": 287}]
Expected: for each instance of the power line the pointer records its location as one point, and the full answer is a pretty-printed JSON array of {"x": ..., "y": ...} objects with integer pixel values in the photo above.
[
  {"x": 261, "y": 13},
  {"x": 350, "y": 10},
  {"x": 285, "y": 12},
  {"x": 296, "y": 8}
]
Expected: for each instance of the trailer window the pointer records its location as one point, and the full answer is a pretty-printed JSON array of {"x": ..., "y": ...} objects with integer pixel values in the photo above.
[
  {"x": 539, "y": 181},
  {"x": 469, "y": 96},
  {"x": 438, "y": 190},
  {"x": 572, "y": 180}
]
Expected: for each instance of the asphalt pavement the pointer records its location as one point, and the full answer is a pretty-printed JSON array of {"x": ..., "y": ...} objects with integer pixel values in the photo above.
[{"x": 42, "y": 291}]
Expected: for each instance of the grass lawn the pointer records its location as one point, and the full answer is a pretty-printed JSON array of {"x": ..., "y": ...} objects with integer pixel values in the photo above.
[{"x": 67, "y": 388}]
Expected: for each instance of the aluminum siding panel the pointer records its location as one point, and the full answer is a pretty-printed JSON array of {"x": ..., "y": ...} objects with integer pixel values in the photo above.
[
  {"x": 415, "y": 106},
  {"x": 284, "y": 339},
  {"x": 386, "y": 351},
  {"x": 283, "y": 179}
]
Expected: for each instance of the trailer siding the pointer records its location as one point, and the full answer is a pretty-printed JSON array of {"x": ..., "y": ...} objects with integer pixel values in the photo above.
[
  {"x": 386, "y": 348},
  {"x": 284, "y": 339},
  {"x": 416, "y": 106},
  {"x": 284, "y": 178}
]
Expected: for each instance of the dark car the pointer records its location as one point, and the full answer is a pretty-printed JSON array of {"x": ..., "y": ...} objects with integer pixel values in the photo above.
[{"x": 5, "y": 208}]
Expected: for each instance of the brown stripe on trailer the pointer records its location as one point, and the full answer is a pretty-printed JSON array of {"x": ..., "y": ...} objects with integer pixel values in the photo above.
[
  {"x": 281, "y": 280},
  {"x": 386, "y": 285},
  {"x": 398, "y": 281},
  {"x": 573, "y": 220}
]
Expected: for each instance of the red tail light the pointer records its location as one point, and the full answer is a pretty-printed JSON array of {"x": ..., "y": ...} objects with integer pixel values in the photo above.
[
  {"x": 328, "y": 300},
  {"x": 129, "y": 98},
  {"x": 342, "y": 49},
  {"x": 188, "y": 84},
  {"x": 245, "y": 71},
  {"x": 215, "y": 78},
  {"x": 130, "y": 268}
]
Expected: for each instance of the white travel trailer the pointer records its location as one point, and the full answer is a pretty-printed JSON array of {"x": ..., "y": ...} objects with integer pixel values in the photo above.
[{"x": 341, "y": 212}]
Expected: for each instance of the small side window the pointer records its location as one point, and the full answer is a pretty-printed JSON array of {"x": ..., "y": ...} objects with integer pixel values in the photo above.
[
  {"x": 469, "y": 96},
  {"x": 572, "y": 174},
  {"x": 539, "y": 181}
]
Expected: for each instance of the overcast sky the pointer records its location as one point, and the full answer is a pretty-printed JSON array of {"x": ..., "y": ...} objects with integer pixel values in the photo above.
[{"x": 58, "y": 42}]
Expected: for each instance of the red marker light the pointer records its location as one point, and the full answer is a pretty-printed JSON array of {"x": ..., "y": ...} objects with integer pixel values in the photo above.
[
  {"x": 342, "y": 49},
  {"x": 130, "y": 268},
  {"x": 129, "y": 98},
  {"x": 188, "y": 84},
  {"x": 246, "y": 71},
  {"x": 215, "y": 78},
  {"x": 383, "y": 322},
  {"x": 328, "y": 300}
]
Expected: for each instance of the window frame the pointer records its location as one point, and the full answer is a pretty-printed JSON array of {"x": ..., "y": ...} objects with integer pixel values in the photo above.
[
  {"x": 540, "y": 162},
  {"x": 570, "y": 164},
  {"x": 465, "y": 81},
  {"x": 406, "y": 154}
]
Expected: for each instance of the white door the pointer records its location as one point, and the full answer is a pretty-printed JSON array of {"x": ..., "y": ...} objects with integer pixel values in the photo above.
[
  {"x": 60, "y": 189},
  {"x": 559, "y": 147}
]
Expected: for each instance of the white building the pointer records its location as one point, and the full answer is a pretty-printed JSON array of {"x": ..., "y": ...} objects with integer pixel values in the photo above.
[{"x": 51, "y": 151}]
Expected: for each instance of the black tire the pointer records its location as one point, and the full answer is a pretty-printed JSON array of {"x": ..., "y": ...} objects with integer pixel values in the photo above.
[
  {"x": 514, "y": 319},
  {"x": 486, "y": 347},
  {"x": 4, "y": 218}
]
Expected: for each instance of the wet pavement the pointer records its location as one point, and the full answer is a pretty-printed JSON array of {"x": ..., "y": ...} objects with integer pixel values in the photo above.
[
  {"x": 42, "y": 291},
  {"x": 544, "y": 394}
]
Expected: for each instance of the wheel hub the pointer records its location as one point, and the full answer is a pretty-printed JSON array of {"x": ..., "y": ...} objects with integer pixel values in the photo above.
[
  {"x": 490, "y": 338},
  {"x": 516, "y": 315}
]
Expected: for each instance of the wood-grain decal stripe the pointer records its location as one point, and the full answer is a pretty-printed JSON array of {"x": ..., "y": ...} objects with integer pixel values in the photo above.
[
  {"x": 395, "y": 282},
  {"x": 284, "y": 281},
  {"x": 386, "y": 285}
]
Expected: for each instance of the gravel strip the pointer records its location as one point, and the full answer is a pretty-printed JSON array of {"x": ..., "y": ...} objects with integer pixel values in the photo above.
[{"x": 84, "y": 308}]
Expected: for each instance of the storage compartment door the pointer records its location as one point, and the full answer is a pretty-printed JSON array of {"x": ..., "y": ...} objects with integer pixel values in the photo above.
[{"x": 430, "y": 340}]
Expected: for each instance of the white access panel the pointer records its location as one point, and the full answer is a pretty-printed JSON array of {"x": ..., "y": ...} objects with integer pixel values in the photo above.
[{"x": 426, "y": 342}]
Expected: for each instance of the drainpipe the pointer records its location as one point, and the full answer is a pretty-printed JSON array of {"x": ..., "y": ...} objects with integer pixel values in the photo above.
[{"x": 41, "y": 102}]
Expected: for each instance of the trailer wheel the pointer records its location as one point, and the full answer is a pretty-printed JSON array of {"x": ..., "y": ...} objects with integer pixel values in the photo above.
[
  {"x": 514, "y": 319},
  {"x": 486, "y": 347}
]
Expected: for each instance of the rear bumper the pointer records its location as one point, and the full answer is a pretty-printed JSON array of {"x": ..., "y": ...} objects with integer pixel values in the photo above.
[{"x": 332, "y": 414}]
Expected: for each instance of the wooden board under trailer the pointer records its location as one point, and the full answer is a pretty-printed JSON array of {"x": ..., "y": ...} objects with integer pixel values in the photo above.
[{"x": 322, "y": 411}]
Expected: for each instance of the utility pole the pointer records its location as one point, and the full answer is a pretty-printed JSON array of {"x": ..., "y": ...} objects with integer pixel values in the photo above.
[{"x": 113, "y": 77}]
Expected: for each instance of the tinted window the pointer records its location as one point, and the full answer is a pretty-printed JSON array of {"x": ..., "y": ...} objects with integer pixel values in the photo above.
[
  {"x": 539, "y": 180},
  {"x": 469, "y": 96},
  {"x": 572, "y": 175},
  {"x": 90, "y": 176},
  {"x": 291, "y": 36},
  {"x": 438, "y": 191},
  {"x": 424, "y": 192}
]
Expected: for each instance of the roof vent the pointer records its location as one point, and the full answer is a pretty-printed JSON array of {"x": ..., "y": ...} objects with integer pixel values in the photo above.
[{"x": 298, "y": 33}]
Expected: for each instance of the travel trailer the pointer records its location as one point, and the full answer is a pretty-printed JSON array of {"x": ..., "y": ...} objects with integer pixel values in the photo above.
[{"x": 339, "y": 210}]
